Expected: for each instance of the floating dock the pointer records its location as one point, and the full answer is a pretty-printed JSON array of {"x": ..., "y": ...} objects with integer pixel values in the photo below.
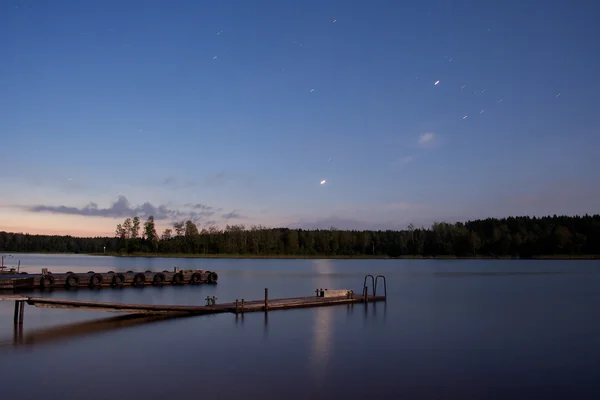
[
  {"x": 322, "y": 297},
  {"x": 91, "y": 279}
]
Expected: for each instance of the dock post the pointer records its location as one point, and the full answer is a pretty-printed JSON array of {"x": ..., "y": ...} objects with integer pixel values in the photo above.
[
  {"x": 266, "y": 299},
  {"x": 21, "y": 312},
  {"x": 236, "y": 307},
  {"x": 17, "y": 307},
  {"x": 242, "y": 306}
]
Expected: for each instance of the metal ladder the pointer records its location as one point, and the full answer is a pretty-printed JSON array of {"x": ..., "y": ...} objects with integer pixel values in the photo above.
[{"x": 374, "y": 281}]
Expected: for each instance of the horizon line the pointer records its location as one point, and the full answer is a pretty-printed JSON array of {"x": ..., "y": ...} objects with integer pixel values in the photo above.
[{"x": 332, "y": 228}]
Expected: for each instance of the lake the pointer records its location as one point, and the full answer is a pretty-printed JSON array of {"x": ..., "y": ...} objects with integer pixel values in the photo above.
[{"x": 450, "y": 329}]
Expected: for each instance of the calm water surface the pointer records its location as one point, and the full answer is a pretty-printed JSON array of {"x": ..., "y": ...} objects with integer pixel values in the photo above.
[{"x": 450, "y": 329}]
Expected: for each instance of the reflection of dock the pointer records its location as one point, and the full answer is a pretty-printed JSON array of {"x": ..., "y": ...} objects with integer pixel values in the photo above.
[
  {"x": 69, "y": 331},
  {"x": 322, "y": 298}
]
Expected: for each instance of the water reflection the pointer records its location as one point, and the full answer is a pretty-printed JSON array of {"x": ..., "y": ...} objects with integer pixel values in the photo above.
[
  {"x": 80, "y": 329},
  {"x": 239, "y": 322},
  {"x": 17, "y": 334},
  {"x": 239, "y": 319},
  {"x": 324, "y": 321},
  {"x": 266, "y": 326},
  {"x": 370, "y": 313},
  {"x": 462, "y": 274}
]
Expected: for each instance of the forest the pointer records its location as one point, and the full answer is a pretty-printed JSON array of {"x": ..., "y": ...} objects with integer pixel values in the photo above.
[{"x": 518, "y": 237}]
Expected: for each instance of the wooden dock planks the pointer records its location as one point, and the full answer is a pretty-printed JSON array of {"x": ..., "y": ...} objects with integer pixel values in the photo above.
[
  {"x": 13, "y": 283},
  {"x": 322, "y": 298},
  {"x": 249, "y": 306},
  {"x": 13, "y": 297}
]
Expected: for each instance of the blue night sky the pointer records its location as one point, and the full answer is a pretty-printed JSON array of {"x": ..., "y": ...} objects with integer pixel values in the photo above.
[{"x": 206, "y": 110}]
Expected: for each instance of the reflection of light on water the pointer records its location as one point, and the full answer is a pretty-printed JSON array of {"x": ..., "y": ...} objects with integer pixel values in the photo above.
[
  {"x": 322, "y": 339},
  {"x": 323, "y": 326},
  {"x": 324, "y": 268}
]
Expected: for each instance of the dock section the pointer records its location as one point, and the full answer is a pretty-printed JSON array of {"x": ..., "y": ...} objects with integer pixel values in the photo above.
[
  {"x": 320, "y": 299},
  {"x": 91, "y": 279},
  {"x": 234, "y": 307}
]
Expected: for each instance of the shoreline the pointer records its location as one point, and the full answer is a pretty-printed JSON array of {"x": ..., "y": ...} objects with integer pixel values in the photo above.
[
  {"x": 313, "y": 257},
  {"x": 340, "y": 257}
]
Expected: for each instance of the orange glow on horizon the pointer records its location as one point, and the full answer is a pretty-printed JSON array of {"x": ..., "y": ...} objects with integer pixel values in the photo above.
[
  {"x": 80, "y": 226},
  {"x": 53, "y": 224}
]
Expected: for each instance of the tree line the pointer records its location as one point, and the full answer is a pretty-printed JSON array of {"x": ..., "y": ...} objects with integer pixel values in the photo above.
[{"x": 521, "y": 237}]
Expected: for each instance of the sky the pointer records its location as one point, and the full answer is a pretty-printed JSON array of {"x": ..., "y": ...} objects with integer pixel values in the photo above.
[{"x": 234, "y": 112}]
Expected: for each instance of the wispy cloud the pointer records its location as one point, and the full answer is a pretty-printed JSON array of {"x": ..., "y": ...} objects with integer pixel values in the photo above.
[
  {"x": 233, "y": 215},
  {"x": 427, "y": 139},
  {"x": 122, "y": 208},
  {"x": 203, "y": 209},
  {"x": 200, "y": 206}
]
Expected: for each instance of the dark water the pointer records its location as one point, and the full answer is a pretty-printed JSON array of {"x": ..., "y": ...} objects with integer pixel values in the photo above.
[{"x": 450, "y": 329}]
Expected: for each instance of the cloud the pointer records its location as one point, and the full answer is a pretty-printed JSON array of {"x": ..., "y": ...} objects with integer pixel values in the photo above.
[
  {"x": 201, "y": 206},
  {"x": 233, "y": 215},
  {"x": 203, "y": 209},
  {"x": 427, "y": 139},
  {"x": 122, "y": 208}
]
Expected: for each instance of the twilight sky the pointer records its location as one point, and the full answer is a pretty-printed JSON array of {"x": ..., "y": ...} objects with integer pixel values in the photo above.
[{"x": 235, "y": 111}]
